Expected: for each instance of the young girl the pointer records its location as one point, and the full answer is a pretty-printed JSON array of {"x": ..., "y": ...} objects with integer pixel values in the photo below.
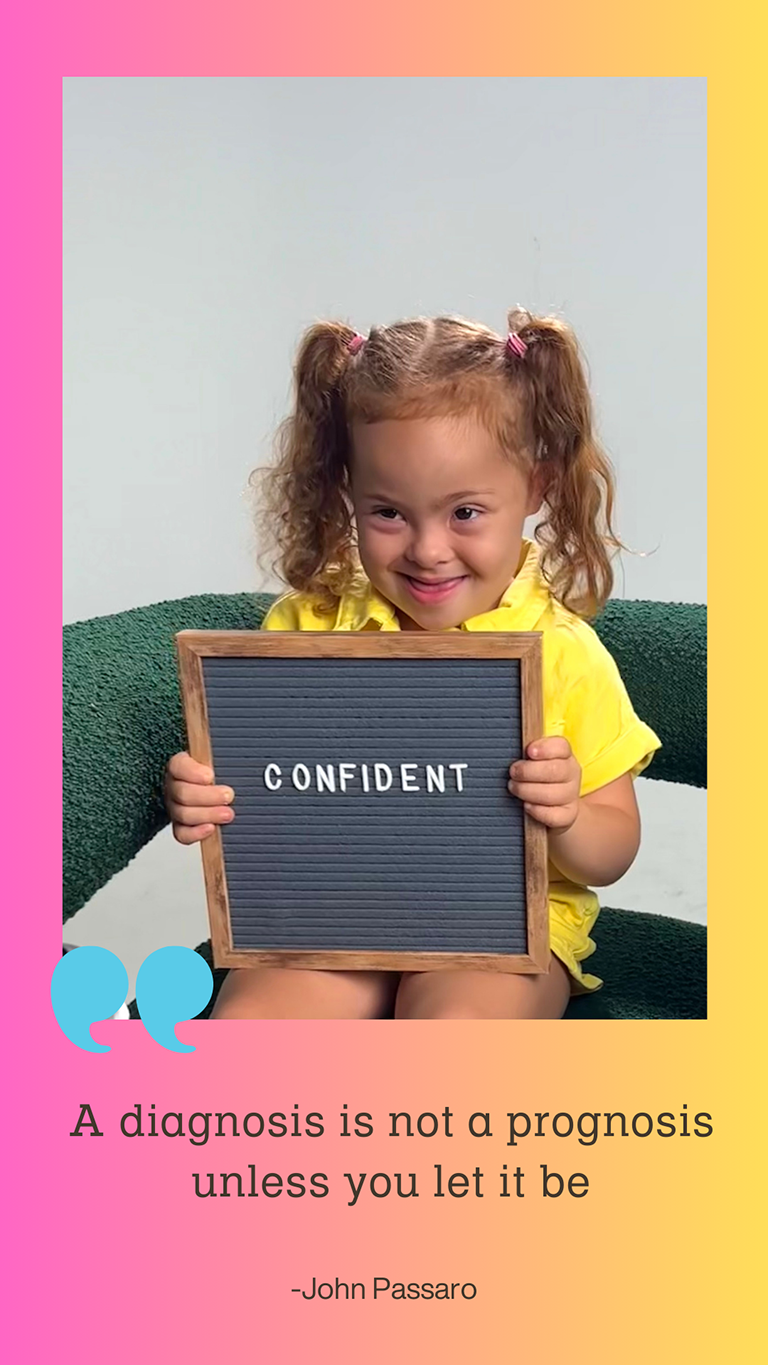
[{"x": 405, "y": 474}]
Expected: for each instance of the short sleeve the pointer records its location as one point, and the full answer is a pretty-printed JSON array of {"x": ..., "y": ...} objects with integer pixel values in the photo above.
[
  {"x": 599, "y": 721},
  {"x": 282, "y": 615},
  {"x": 298, "y": 611}
]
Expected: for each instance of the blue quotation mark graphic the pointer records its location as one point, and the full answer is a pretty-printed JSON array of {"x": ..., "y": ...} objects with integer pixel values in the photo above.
[{"x": 90, "y": 984}]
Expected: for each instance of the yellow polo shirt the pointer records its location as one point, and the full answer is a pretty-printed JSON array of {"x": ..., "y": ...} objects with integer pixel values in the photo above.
[{"x": 584, "y": 699}]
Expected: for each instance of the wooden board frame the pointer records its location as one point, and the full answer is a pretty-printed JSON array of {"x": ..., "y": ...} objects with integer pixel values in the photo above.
[{"x": 194, "y": 646}]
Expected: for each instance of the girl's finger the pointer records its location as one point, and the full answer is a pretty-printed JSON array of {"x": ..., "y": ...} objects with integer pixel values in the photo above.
[
  {"x": 552, "y": 746},
  {"x": 552, "y": 816},
  {"x": 186, "y": 769},
  {"x": 200, "y": 815},
  {"x": 183, "y": 835},
  {"x": 551, "y": 770},
  {"x": 193, "y": 794},
  {"x": 560, "y": 794}
]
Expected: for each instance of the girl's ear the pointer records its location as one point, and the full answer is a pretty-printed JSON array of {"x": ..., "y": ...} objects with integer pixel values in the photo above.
[{"x": 538, "y": 485}]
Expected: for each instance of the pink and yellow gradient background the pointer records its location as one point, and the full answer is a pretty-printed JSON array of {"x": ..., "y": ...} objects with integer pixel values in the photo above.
[{"x": 109, "y": 1255}]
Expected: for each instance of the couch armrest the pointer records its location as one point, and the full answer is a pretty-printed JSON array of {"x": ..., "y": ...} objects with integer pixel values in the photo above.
[
  {"x": 122, "y": 721},
  {"x": 661, "y": 651}
]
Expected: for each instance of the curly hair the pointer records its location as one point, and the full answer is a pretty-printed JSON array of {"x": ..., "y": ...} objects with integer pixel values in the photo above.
[{"x": 536, "y": 405}]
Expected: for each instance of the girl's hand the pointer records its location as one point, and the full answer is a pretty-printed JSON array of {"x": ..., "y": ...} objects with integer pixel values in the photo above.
[
  {"x": 548, "y": 782},
  {"x": 193, "y": 803}
]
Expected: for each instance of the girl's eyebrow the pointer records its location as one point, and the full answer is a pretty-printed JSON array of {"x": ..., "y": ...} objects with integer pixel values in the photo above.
[
  {"x": 464, "y": 493},
  {"x": 441, "y": 502}
]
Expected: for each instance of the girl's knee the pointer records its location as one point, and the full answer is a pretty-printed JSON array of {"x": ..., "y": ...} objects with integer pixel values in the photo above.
[
  {"x": 416, "y": 1007},
  {"x": 238, "y": 997},
  {"x": 290, "y": 993},
  {"x": 483, "y": 995},
  {"x": 439, "y": 995},
  {"x": 458, "y": 1009}
]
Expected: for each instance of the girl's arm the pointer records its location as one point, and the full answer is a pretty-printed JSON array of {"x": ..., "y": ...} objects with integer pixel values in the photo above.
[
  {"x": 602, "y": 843},
  {"x": 593, "y": 839}
]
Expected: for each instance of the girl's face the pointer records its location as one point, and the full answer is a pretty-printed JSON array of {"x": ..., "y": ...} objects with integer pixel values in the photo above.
[{"x": 439, "y": 512}]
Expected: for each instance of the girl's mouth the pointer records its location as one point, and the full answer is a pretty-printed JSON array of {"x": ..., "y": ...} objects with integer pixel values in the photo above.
[{"x": 435, "y": 590}]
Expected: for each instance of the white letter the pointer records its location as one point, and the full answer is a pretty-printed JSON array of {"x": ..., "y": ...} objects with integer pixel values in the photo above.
[
  {"x": 407, "y": 781},
  {"x": 457, "y": 767},
  {"x": 346, "y": 773},
  {"x": 435, "y": 778},
  {"x": 268, "y": 781},
  {"x": 364, "y": 774},
  {"x": 380, "y": 770},
  {"x": 304, "y": 783},
  {"x": 325, "y": 777}
]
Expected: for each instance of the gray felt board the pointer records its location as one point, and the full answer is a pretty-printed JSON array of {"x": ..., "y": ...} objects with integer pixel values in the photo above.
[{"x": 395, "y": 869}]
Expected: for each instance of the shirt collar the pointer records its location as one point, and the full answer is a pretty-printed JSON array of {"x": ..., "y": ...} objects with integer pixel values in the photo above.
[{"x": 521, "y": 607}]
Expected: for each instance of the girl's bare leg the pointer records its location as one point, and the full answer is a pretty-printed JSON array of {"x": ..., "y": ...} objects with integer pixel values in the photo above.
[
  {"x": 483, "y": 995},
  {"x": 286, "y": 993}
]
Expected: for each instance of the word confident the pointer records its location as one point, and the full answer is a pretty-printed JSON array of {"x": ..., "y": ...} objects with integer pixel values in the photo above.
[{"x": 367, "y": 777}]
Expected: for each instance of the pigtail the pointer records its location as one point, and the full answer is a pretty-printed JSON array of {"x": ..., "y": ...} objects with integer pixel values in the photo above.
[
  {"x": 576, "y": 533},
  {"x": 304, "y": 508}
]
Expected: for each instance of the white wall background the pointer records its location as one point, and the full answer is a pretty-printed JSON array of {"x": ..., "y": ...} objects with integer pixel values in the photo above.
[{"x": 208, "y": 221}]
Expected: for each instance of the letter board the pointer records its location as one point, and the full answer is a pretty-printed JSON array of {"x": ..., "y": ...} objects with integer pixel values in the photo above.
[{"x": 373, "y": 825}]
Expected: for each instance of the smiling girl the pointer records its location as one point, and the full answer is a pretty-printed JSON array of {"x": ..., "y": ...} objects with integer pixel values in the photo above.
[{"x": 404, "y": 478}]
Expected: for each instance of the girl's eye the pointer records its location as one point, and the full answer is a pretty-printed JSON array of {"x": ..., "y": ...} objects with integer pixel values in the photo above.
[
  {"x": 388, "y": 513},
  {"x": 466, "y": 513}
]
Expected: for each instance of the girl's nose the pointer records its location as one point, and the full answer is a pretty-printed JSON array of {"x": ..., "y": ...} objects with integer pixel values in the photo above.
[{"x": 428, "y": 550}]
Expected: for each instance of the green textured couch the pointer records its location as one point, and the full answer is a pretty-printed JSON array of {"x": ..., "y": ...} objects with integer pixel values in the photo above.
[{"x": 123, "y": 720}]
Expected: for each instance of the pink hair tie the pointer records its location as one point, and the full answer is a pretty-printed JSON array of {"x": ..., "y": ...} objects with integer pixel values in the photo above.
[
  {"x": 355, "y": 344},
  {"x": 516, "y": 345}
]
